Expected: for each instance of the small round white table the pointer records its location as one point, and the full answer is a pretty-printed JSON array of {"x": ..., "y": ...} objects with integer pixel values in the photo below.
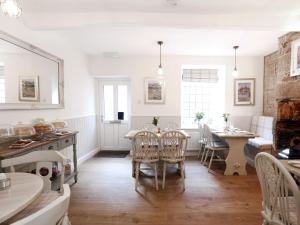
[{"x": 24, "y": 189}]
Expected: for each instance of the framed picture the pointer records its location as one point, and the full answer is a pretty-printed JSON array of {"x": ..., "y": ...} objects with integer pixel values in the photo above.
[
  {"x": 244, "y": 91},
  {"x": 154, "y": 91},
  {"x": 29, "y": 89},
  {"x": 295, "y": 58}
]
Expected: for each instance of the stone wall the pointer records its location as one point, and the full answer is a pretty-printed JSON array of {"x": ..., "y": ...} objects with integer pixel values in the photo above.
[{"x": 277, "y": 81}]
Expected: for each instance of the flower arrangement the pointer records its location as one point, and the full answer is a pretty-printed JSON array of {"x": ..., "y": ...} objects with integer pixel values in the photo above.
[
  {"x": 226, "y": 117},
  {"x": 155, "y": 120},
  {"x": 199, "y": 116}
]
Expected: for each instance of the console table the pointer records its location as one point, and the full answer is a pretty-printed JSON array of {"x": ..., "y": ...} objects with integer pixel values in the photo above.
[{"x": 50, "y": 143}]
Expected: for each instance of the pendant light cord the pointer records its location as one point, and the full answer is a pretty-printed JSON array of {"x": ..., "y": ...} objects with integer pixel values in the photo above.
[{"x": 160, "y": 55}]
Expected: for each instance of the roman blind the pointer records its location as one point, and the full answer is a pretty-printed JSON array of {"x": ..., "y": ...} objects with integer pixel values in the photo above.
[{"x": 200, "y": 75}]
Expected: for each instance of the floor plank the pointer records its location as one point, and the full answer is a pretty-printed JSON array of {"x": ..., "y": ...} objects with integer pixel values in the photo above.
[{"x": 105, "y": 195}]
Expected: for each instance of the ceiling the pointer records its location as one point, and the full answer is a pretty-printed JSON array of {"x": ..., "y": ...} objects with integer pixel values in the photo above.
[{"x": 188, "y": 27}]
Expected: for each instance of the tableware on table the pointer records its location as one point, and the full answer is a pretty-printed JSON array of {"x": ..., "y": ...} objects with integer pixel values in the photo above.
[
  {"x": 4, "y": 182},
  {"x": 6, "y": 130}
]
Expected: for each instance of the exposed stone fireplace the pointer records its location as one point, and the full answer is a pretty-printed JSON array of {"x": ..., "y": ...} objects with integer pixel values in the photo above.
[{"x": 287, "y": 128}]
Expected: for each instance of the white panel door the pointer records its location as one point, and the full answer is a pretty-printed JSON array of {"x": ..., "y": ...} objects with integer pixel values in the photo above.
[{"x": 114, "y": 99}]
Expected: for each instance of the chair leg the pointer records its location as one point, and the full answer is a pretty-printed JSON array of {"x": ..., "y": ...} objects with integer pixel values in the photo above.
[
  {"x": 137, "y": 172},
  {"x": 201, "y": 150},
  {"x": 156, "y": 180},
  {"x": 211, "y": 159},
  {"x": 133, "y": 168},
  {"x": 183, "y": 174},
  {"x": 164, "y": 175},
  {"x": 206, "y": 156},
  {"x": 203, "y": 155}
]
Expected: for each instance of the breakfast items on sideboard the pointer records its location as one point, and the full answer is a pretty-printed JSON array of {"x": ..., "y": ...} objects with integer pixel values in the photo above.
[
  {"x": 6, "y": 130},
  {"x": 24, "y": 130}
]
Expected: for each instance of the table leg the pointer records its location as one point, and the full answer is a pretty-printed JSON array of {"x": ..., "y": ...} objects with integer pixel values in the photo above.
[
  {"x": 75, "y": 162},
  {"x": 236, "y": 161}
]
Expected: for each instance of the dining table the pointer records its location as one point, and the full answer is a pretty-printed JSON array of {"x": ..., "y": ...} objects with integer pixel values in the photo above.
[
  {"x": 236, "y": 140},
  {"x": 24, "y": 189},
  {"x": 293, "y": 166}
]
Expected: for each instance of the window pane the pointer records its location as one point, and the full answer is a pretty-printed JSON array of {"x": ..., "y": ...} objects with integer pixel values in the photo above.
[
  {"x": 202, "y": 95},
  {"x": 122, "y": 100},
  {"x": 108, "y": 92}
]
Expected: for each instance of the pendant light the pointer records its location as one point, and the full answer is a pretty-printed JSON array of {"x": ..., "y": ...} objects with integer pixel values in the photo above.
[
  {"x": 160, "y": 71},
  {"x": 11, "y": 8},
  {"x": 235, "y": 72}
]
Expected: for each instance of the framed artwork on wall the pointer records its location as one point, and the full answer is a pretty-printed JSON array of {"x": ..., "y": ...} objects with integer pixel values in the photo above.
[
  {"x": 295, "y": 58},
  {"x": 244, "y": 91},
  {"x": 154, "y": 90},
  {"x": 29, "y": 89}
]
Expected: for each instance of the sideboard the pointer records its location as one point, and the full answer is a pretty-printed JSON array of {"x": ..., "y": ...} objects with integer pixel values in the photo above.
[{"x": 50, "y": 143}]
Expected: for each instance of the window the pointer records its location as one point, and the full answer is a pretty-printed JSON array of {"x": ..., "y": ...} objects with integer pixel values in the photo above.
[
  {"x": 202, "y": 91},
  {"x": 2, "y": 84},
  {"x": 115, "y": 99}
]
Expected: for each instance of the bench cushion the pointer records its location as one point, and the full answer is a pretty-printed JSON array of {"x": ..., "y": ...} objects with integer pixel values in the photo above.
[{"x": 260, "y": 143}]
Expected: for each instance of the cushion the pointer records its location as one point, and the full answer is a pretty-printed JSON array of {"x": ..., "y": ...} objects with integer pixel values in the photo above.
[{"x": 260, "y": 143}]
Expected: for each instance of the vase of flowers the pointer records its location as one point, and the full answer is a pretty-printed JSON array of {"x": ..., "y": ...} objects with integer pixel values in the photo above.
[
  {"x": 155, "y": 120},
  {"x": 198, "y": 117},
  {"x": 226, "y": 120}
]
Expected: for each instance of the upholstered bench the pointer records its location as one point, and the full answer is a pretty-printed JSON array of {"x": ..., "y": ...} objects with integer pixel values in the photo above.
[{"x": 262, "y": 126}]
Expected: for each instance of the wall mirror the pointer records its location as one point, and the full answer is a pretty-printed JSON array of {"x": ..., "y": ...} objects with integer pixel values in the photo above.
[{"x": 30, "y": 78}]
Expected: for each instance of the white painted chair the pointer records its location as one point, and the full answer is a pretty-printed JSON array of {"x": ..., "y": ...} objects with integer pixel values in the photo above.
[
  {"x": 44, "y": 161},
  {"x": 145, "y": 146},
  {"x": 213, "y": 148},
  {"x": 173, "y": 144},
  {"x": 50, "y": 210},
  {"x": 281, "y": 196}
]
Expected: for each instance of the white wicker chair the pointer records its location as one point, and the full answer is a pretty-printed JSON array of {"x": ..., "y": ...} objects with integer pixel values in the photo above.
[
  {"x": 214, "y": 148},
  {"x": 281, "y": 196},
  {"x": 145, "y": 146},
  {"x": 43, "y": 159},
  {"x": 173, "y": 144},
  {"x": 48, "y": 209}
]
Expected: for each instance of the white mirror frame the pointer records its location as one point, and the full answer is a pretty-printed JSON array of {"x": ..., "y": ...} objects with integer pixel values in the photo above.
[{"x": 36, "y": 105}]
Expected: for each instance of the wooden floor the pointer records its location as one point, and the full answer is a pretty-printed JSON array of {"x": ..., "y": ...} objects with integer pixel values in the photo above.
[{"x": 105, "y": 195}]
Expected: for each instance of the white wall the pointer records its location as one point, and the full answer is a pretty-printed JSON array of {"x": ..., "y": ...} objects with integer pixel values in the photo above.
[
  {"x": 138, "y": 67},
  {"x": 79, "y": 86}
]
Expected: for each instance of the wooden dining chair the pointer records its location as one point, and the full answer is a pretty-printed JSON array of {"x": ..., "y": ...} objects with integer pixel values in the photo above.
[
  {"x": 173, "y": 144},
  {"x": 214, "y": 148},
  {"x": 44, "y": 162},
  {"x": 145, "y": 149},
  {"x": 47, "y": 209},
  {"x": 280, "y": 193}
]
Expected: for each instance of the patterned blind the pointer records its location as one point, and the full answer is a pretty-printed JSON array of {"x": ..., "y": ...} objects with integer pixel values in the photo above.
[{"x": 200, "y": 75}]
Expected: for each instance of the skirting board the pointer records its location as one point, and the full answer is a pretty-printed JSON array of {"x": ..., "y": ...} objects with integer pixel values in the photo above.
[{"x": 87, "y": 156}]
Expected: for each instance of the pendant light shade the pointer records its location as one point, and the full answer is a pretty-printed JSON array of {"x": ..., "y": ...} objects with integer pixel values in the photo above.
[
  {"x": 160, "y": 71},
  {"x": 235, "y": 72},
  {"x": 11, "y": 8}
]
